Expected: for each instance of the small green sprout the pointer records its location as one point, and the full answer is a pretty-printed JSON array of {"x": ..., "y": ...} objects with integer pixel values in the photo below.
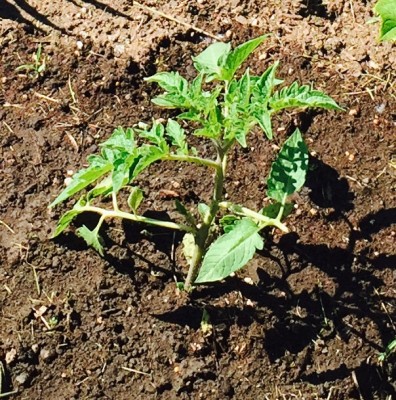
[
  {"x": 37, "y": 68},
  {"x": 221, "y": 113},
  {"x": 390, "y": 348}
]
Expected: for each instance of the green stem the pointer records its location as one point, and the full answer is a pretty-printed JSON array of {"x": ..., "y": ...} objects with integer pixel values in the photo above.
[
  {"x": 191, "y": 159},
  {"x": 247, "y": 212},
  {"x": 136, "y": 218},
  {"x": 201, "y": 237}
]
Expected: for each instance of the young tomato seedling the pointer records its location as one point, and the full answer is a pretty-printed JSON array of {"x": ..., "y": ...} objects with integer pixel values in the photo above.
[{"x": 222, "y": 113}]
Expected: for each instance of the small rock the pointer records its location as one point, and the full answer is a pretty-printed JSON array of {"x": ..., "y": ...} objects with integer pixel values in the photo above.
[
  {"x": 22, "y": 378},
  {"x": 35, "y": 348},
  {"x": 119, "y": 49},
  {"x": 79, "y": 44},
  {"x": 10, "y": 356},
  {"x": 44, "y": 354},
  {"x": 241, "y": 19},
  {"x": 380, "y": 108}
]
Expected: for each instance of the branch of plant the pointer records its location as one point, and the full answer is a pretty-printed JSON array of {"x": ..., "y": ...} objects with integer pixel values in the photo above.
[
  {"x": 201, "y": 237},
  {"x": 191, "y": 159},
  {"x": 136, "y": 218},
  {"x": 261, "y": 219}
]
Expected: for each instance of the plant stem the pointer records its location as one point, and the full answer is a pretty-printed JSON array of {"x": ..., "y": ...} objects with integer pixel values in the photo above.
[
  {"x": 260, "y": 218},
  {"x": 191, "y": 159},
  {"x": 137, "y": 218},
  {"x": 201, "y": 237}
]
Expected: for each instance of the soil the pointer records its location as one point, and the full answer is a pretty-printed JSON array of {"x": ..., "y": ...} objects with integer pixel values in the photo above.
[{"x": 312, "y": 312}]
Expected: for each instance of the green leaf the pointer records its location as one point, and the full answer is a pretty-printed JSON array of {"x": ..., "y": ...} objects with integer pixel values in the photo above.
[
  {"x": 104, "y": 187},
  {"x": 228, "y": 222},
  {"x": 68, "y": 217},
  {"x": 148, "y": 155},
  {"x": 289, "y": 169},
  {"x": 121, "y": 170},
  {"x": 92, "y": 238},
  {"x": 121, "y": 139},
  {"x": 212, "y": 60},
  {"x": 177, "y": 136},
  {"x": 387, "y": 10},
  {"x": 83, "y": 178},
  {"x": 172, "y": 82},
  {"x": 176, "y": 87},
  {"x": 263, "y": 117},
  {"x": 264, "y": 86},
  {"x": 212, "y": 126},
  {"x": 155, "y": 135},
  {"x": 272, "y": 210},
  {"x": 301, "y": 96},
  {"x": 230, "y": 252},
  {"x": 204, "y": 211},
  {"x": 171, "y": 100},
  {"x": 135, "y": 198},
  {"x": 237, "y": 56}
]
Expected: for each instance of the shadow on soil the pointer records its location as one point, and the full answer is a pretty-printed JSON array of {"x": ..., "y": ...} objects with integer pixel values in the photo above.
[
  {"x": 326, "y": 316},
  {"x": 12, "y": 12},
  {"x": 352, "y": 273}
]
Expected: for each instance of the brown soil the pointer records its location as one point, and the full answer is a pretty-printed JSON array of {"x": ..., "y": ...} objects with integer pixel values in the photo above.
[{"x": 320, "y": 304}]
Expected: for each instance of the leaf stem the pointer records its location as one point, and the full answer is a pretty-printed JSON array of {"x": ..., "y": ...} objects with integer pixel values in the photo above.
[
  {"x": 247, "y": 212},
  {"x": 191, "y": 159},
  {"x": 136, "y": 218}
]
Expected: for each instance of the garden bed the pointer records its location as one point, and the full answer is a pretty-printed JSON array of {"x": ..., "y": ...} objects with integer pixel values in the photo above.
[{"x": 314, "y": 309}]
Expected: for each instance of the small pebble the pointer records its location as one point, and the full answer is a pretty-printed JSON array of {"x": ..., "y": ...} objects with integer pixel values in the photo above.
[
  {"x": 380, "y": 108},
  {"x": 22, "y": 378},
  {"x": 79, "y": 44}
]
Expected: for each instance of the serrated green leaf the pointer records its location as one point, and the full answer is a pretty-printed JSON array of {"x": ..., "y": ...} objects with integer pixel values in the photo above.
[
  {"x": 289, "y": 169},
  {"x": 135, "y": 198},
  {"x": 177, "y": 136},
  {"x": 148, "y": 155},
  {"x": 122, "y": 170},
  {"x": 121, "y": 139},
  {"x": 387, "y": 11},
  {"x": 230, "y": 252},
  {"x": 240, "y": 137},
  {"x": 176, "y": 87},
  {"x": 155, "y": 135},
  {"x": 301, "y": 96},
  {"x": 237, "y": 56},
  {"x": 263, "y": 118},
  {"x": 66, "y": 219},
  {"x": 212, "y": 60},
  {"x": 83, "y": 178},
  {"x": 172, "y": 82},
  {"x": 264, "y": 86},
  {"x": 92, "y": 238},
  {"x": 212, "y": 127},
  {"x": 171, "y": 100},
  {"x": 104, "y": 187}
]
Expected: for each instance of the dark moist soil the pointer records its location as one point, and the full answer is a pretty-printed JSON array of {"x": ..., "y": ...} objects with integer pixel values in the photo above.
[{"x": 312, "y": 312}]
